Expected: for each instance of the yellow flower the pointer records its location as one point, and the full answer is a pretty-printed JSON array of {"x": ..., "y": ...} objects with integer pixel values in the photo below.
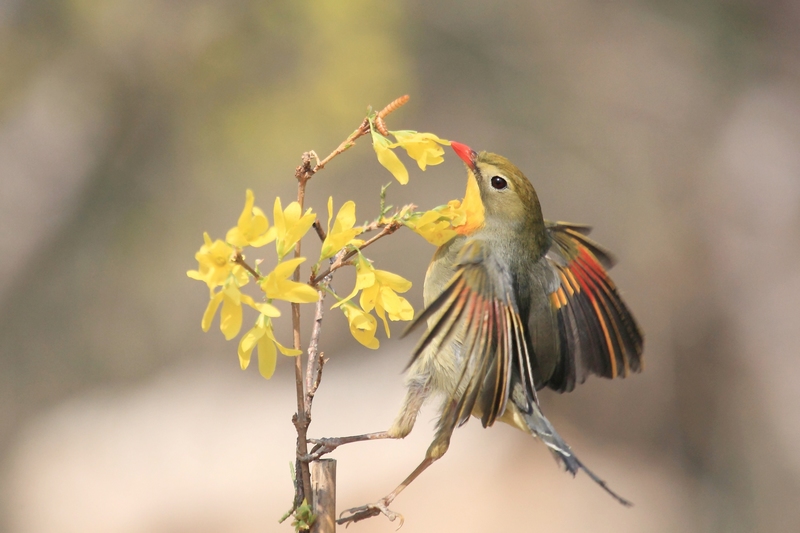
[
  {"x": 365, "y": 277},
  {"x": 363, "y": 326},
  {"x": 424, "y": 148},
  {"x": 454, "y": 212},
  {"x": 382, "y": 296},
  {"x": 253, "y": 227},
  {"x": 343, "y": 232},
  {"x": 387, "y": 158},
  {"x": 433, "y": 227},
  {"x": 290, "y": 226},
  {"x": 230, "y": 318},
  {"x": 214, "y": 264},
  {"x": 437, "y": 225},
  {"x": 277, "y": 284},
  {"x": 262, "y": 337},
  {"x": 379, "y": 291}
]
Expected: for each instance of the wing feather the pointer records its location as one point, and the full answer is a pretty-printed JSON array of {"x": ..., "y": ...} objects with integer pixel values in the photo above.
[
  {"x": 478, "y": 312},
  {"x": 597, "y": 332}
]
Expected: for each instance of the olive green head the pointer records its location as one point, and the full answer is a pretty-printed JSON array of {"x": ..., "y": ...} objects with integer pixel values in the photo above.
[{"x": 499, "y": 192}]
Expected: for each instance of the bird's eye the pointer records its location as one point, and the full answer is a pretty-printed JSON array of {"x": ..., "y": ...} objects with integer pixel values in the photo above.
[{"x": 499, "y": 183}]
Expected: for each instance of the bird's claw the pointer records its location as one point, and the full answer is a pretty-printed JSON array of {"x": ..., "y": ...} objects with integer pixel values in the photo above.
[
  {"x": 357, "y": 514},
  {"x": 322, "y": 446}
]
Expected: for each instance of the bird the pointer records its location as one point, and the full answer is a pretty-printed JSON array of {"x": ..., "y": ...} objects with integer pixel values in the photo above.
[{"x": 514, "y": 303}]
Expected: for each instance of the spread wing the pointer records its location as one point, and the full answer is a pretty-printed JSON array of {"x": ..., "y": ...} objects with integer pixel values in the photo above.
[
  {"x": 479, "y": 312},
  {"x": 597, "y": 334}
]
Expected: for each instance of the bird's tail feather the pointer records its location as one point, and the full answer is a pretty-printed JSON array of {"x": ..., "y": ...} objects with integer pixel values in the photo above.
[{"x": 541, "y": 428}]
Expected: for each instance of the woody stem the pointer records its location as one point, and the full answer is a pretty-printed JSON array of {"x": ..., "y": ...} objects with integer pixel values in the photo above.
[
  {"x": 339, "y": 263},
  {"x": 302, "y": 419}
]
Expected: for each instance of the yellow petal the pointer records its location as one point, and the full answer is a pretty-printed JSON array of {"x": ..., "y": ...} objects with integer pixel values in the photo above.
[
  {"x": 342, "y": 232},
  {"x": 365, "y": 277},
  {"x": 346, "y": 217},
  {"x": 268, "y": 309},
  {"x": 230, "y": 319},
  {"x": 283, "y": 349},
  {"x": 396, "y": 306},
  {"x": 434, "y": 225},
  {"x": 390, "y": 279},
  {"x": 422, "y": 147},
  {"x": 296, "y": 292},
  {"x": 194, "y": 274},
  {"x": 266, "y": 357},
  {"x": 246, "y": 345},
  {"x": 285, "y": 269},
  {"x": 277, "y": 215},
  {"x": 362, "y": 326},
  {"x": 297, "y": 229},
  {"x": 368, "y": 297},
  {"x": 392, "y": 163},
  {"x": 426, "y": 218},
  {"x": 266, "y": 238},
  {"x": 330, "y": 213},
  {"x": 264, "y": 308},
  {"x": 233, "y": 293},
  {"x": 247, "y": 212},
  {"x": 235, "y": 237},
  {"x": 280, "y": 228},
  {"x": 382, "y": 315},
  {"x": 365, "y": 272},
  {"x": 211, "y": 310},
  {"x": 240, "y": 275},
  {"x": 292, "y": 213}
]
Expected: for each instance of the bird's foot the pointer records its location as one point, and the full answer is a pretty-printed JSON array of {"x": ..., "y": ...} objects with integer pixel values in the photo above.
[
  {"x": 357, "y": 514},
  {"x": 328, "y": 444},
  {"x": 325, "y": 445},
  {"x": 322, "y": 447}
]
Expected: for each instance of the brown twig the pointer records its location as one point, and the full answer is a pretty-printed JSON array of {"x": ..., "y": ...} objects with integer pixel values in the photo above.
[
  {"x": 305, "y": 391},
  {"x": 314, "y": 361},
  {"x": 238, "y": 258},
  {"x": 348, "y": 143},
  {"x": 319, "y": 230},
  {"x": 362, "y": 130},
  {"x": 343, "y": 261},
  {"x": 318, "y": 378},
  {"x": 302, "y": 417}
]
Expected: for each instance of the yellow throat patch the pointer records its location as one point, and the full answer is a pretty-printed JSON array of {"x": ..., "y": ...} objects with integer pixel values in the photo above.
[{"x": 473, "y": 207}]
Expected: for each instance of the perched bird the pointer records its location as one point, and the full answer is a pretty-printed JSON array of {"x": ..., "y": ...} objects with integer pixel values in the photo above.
[{"x": 513, "y": 304}]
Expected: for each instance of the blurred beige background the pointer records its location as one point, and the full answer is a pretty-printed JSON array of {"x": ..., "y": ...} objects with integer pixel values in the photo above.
[{"x": 128, "y": 128}]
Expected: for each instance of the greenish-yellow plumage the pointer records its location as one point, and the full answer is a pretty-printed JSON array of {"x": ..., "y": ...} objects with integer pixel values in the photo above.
[{"x": 513, "y": 304}]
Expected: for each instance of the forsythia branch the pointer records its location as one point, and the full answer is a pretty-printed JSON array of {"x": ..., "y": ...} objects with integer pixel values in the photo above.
[
  {"x": 362, "y": 130},
  {"x": 388, "y": 229},
  {"x": 222, "y": 266},
  {"x": 238, "y": 258}
]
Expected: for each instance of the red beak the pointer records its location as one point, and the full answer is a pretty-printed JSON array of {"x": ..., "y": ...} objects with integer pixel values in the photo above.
[{"x": 466, "y": 153}]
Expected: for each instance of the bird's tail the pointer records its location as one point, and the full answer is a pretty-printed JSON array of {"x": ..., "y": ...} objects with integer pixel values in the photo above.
[{"x": 540, "y": 427}]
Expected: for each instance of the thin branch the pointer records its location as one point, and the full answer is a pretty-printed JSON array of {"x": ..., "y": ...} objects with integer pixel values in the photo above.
[
  {"x": 348, "y": 143},
  {"x": 343, "y": 261},
  {"x": 302, "y": 418},
  {"x": 239, "y": 260},
  {"x": 305, "y": 391},
  {"x": 315, "y": 362},
  {"x": 318, "y": 378},
  {"x": 319, "y": 230},
  {"x": 362, "y": 130}
]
